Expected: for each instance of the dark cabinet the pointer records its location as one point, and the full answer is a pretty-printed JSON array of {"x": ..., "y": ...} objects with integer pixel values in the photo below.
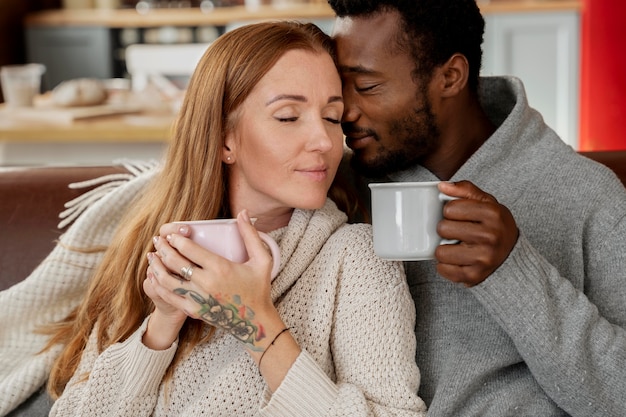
[{"x": 71, "y": 52}]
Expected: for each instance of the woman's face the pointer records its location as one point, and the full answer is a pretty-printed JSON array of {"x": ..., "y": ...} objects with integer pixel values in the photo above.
[{"x": 287, "y": 144}]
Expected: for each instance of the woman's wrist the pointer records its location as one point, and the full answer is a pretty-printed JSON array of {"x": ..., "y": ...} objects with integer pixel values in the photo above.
[
  {"x": 275, "y": 353},
  {"x": 271, "y": 344},
  {"x": 160, "y": 333}
]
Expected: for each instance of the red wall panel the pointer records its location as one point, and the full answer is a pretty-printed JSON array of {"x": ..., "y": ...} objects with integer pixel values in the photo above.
[{"x": 603, "y": 75}]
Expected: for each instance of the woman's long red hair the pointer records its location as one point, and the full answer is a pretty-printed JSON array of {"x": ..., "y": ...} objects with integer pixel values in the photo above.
[{"x": 191, "y": 184}]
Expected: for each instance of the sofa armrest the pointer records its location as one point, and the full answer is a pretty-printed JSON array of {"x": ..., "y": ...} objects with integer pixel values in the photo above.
[
  {"x": 31, "y": 199},
  {"x": 616, "y": 160}
]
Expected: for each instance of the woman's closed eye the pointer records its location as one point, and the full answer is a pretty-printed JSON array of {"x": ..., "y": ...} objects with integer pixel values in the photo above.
[
  {"x": 333, "y": 120},
  {"x": 286, "y": 119}
]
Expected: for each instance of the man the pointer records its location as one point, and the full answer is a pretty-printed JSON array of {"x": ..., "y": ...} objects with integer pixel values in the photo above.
[{"x": 526, "y": 316}]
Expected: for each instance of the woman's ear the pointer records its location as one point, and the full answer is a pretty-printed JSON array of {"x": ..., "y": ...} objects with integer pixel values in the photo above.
[
  {"x": 454, "y": 74},
  {"x": 228, "y": 150}
]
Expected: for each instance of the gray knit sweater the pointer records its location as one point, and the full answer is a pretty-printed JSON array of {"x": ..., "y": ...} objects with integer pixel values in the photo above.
[{"x": 545, "y": 334}]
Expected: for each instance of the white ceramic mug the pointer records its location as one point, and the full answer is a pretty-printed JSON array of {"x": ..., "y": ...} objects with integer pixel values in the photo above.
[
  {"x": 221, "y": 236},
  {"x": 404, "y": 219}
]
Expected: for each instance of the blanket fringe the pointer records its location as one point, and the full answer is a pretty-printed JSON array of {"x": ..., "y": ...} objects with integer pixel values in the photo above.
[{"x": 103, "y": 185}]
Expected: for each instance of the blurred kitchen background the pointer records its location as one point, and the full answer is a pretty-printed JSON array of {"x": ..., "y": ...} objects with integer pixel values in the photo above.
[{"x": 567, "y": 52}]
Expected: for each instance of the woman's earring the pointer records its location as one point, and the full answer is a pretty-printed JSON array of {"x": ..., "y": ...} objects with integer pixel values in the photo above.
[{"x": 228, "y": 158}]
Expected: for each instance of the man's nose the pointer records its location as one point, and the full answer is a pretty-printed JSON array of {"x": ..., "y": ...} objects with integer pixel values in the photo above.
[{"x": 351, "y": 111}]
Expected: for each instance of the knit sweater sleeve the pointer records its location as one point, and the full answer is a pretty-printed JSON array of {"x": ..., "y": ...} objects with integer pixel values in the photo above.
[
  {"x": 372, "y": 343},
  {"x": 574, "y": 342},
  {"x": 122, "y": 381}
]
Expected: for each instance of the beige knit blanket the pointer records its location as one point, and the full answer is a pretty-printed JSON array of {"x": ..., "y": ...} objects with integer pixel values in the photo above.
[{"x": 55, "y": 287}]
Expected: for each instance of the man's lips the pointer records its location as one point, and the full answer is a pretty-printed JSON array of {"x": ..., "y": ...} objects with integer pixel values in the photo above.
[{"x": 358, "y": 142}]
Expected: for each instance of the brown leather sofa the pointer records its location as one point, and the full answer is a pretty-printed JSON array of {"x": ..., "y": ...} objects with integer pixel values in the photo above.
[{"x": 31, "y": 199}]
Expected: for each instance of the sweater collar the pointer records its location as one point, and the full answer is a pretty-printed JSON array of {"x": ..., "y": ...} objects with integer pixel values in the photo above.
[
  {"x": 306, "y": 233},
  {"x": 518, "y": 150},
  {"x": 512, "y": 147}
]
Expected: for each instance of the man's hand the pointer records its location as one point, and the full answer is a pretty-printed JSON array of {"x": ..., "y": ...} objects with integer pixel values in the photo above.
[{"x": 485, "y": 228}]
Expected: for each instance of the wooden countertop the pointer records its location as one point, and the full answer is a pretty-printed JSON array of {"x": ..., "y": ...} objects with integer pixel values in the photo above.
[
  {"x": 124, "y": 117},
  {"x": 223, "y": 15},
  {"x": 135, "y": 128}
]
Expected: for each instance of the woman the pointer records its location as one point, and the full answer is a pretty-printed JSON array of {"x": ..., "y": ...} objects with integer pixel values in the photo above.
[{"x": 258, "y": 136}]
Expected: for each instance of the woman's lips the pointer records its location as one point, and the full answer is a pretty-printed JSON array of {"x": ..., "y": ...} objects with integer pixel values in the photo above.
[{"x": 316, "y": 174}]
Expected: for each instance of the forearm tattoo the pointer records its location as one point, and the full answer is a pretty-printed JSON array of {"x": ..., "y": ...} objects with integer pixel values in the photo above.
[{"x": 230, "y": 315}]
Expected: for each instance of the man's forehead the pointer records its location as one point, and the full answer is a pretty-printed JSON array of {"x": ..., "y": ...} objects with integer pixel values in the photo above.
[
  {"x": 377, "y": 31},
  {"x": 342, "y": 26},
  {"x": 366, "y": 41},
  {"x": 378, "y": 24}
]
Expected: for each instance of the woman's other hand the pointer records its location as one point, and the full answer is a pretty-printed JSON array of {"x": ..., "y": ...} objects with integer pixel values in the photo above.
[{"x": 166, "y": 320}]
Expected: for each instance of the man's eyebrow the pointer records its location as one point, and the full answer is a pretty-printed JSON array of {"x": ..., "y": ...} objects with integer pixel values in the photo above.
[
  {"x": 358, "y": 69},
  {"x": 293, "y": 97},
  {"x": 334, "y": 99}
]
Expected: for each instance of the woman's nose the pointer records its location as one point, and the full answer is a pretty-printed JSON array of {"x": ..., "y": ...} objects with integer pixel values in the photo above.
[{"x": 323, "y": 137}]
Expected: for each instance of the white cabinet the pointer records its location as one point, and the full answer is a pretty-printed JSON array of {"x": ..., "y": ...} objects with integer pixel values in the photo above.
[{"x": 543, "y": 50}]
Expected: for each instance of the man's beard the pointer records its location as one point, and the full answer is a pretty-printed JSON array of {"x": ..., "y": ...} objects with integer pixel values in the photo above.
[{"x": 416, "y": 136}]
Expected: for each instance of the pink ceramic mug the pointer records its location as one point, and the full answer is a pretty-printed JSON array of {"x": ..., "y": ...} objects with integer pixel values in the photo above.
[{"x": 221, "y": 236}]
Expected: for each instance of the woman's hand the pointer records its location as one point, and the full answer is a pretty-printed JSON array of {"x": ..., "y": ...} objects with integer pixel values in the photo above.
[
  {"x": 234, "y": 297},
  {"x": 224, "y": 294}
]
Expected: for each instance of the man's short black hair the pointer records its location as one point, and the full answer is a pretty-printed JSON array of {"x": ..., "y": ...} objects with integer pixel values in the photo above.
[{"x": 433, "y": 30}]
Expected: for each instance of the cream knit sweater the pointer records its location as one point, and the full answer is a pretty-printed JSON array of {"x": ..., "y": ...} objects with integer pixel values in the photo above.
[{"x": 351, "y": 313}]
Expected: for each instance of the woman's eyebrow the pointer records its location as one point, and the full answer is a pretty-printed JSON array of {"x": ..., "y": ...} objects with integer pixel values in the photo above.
[
  {"x": 293, "y": 97},
  {"x": 300, "y": 98}
]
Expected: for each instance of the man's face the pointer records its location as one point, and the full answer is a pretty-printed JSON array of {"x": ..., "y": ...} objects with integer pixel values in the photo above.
[{"x": 388, "y": 120}]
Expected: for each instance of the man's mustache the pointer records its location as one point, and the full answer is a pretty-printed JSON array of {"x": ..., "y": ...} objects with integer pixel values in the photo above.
[{"x": 355, "y": 132}]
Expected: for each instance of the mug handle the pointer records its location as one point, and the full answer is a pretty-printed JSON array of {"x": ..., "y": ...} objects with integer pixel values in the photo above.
[
  {"x": 444, "y": 197},
  {"x": 274, "y": 249}
]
